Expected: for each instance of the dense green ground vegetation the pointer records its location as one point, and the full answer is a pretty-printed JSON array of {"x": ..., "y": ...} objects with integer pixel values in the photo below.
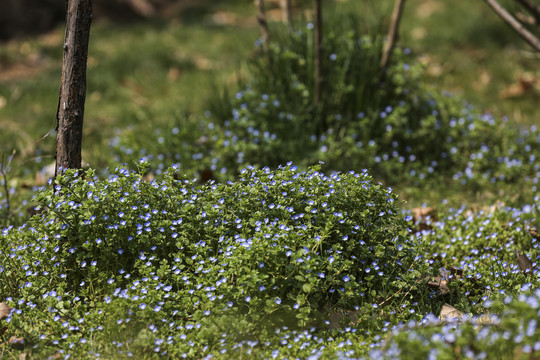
[{"x": 224, "y": 215}]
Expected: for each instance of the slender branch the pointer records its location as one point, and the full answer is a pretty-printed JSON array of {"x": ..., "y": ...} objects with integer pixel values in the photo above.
[
  {"x": 532, "y": 8},
  {"x": 392, "y": 33},
  {"x": 4, "y": 169},
  {"x": 263, "y": 24},
  {"x": 318, "y": 52},
  {"x": 530, "y": 38}
]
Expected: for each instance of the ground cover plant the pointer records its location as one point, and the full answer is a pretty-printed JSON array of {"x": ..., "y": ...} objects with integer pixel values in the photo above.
[
  {"x": 178, "y": 265},
  {"x": 404, "y": 131},
  {"x": 275, "y": 261},
  {"x": 282, "y": 264}
]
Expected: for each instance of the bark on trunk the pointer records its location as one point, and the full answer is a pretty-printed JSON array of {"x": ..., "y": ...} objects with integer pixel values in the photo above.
[{"x": 70, "y": 112}]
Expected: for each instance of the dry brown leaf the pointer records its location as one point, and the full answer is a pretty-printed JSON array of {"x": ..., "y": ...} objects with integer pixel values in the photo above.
[
  {"x": 428, "y": 8},
  {"x": 485, "y": 320},
  {"x": 423, "y": 218},
  {"x": 458, "y": 273},
  {"x": 440, "y": 286},
  {"x": 440, "y": 283},
  {"x": 421, "y": 213},
  {"x": 448, "y": 313},
  {"x": 524, "y": 85},
  {"x": 16, "y": 342},
  {"x": 141, "y": 7},
  {"x": 173, "y": 74},
  {"x": 523, "y": 262},
  {"x": 5, "y": 310}
]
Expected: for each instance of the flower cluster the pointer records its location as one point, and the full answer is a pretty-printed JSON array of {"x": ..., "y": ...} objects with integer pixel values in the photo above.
[{"x": 181, "y": 268}]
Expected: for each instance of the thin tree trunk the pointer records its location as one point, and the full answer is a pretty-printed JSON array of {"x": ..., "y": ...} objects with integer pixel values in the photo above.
[
  {"x": 70, "y": 112},
  {"x": 393, "y": 34},
  {"x": 318, "y": 52},
  {"x": 514, "y": 24},
  {"x": 286, "y": 11},
  {"x": 263, "y": 24}
]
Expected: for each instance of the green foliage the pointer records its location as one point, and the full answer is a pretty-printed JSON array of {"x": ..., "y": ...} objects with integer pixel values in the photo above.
[
  {"x": 514, "y": 335},
  {"x": 283, "y": 249},
  {"x": 390, "y": 122}
]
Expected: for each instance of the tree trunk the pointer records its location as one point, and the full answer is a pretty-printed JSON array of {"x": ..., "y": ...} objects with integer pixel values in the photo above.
[
  {"x": 393, "y": 33},
  {"x": 70, "y": 112}
]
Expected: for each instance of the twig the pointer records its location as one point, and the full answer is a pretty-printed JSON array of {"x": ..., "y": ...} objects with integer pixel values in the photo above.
[
  {"x": 530, "y": 38},
  {"x": 392, "y": 33}
]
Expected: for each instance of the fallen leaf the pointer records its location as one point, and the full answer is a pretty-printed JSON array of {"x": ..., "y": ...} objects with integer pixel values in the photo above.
[
  {"x": 5, "y": 310},
  {"x": 423, "y": 217},
  {"x": 485, "y": 320},
  {"x": 450, "y": 313},
  {"x": 524, "y": 85},
  {"x": 440, "y": 283},
  {"x": 16, "y": 342},
  {"x": 173, "y": 74},
  {"x": 440, "y": 286},
  {"x": 424, "y": 212},
  {"x": 457, "y": 273},
  {"x": 523, "y": 262}
]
